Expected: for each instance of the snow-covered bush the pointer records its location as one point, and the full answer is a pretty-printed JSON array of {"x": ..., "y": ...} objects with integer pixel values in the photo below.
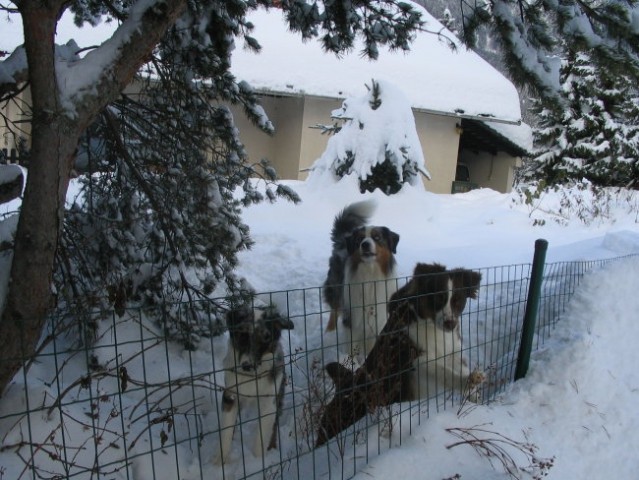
[
  {"x": 582, "y": 201},
  {"x": 377, "y": 142}
]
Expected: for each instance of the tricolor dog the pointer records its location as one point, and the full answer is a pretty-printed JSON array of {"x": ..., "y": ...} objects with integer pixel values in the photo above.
[
  {"x": 361, "y": 277},
  {"x": 254, "y": 375}
]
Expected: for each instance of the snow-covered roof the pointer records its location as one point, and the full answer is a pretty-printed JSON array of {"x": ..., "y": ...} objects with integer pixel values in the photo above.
[
  {"x": 519, "y": 135},
  {"x": 432, "y": 76}
]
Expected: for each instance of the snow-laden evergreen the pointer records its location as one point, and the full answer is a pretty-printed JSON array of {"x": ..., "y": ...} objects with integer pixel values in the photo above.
[
  {"x": 377, "y": 142},
  {"x": 165, "y": 174},
  {"x": 595, "y": 133}
]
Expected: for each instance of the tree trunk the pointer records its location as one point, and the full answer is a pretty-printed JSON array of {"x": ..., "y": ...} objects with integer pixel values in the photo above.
[{"x": 53, "y": 144}]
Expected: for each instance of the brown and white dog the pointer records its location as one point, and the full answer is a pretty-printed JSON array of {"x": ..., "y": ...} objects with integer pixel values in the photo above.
[
  {"x": 254, "y": 374},
  {"x": 361, "y": 277},
  {"x": 437, "y": 297}
]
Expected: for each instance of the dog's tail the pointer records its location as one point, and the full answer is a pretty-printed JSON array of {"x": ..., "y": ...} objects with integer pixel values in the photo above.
[{"x": 355, "y": 215}]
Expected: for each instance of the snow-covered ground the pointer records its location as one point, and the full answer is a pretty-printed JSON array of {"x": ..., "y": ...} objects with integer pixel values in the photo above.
[{"x": 577, "y": 404}]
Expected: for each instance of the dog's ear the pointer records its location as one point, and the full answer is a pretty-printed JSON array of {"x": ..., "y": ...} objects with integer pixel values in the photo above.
[
  {"x": 392, "y": 239},
  {"x": 342, "y": 377},
  {"x": 276, "y": 320},
  {"x": 470, "y": 281},
  {"x": 426, "y": 276}
]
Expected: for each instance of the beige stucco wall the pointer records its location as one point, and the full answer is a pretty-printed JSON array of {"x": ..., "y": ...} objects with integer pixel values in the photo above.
[
  {"x": 17, "y": 112},
  {"x": 316, "y": 111},
  {"x": 281, "y": 149},
  {"x": 440, "y": 144},
  {"x": 295, "y": 145},
  {"x": 491, "y": 171}
]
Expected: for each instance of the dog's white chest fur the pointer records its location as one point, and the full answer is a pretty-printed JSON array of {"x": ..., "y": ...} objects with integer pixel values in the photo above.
[
  {"x": 440, "y": 365},
  {"x": 366, "y": 291},
  {"x": 256, "y": 388}
]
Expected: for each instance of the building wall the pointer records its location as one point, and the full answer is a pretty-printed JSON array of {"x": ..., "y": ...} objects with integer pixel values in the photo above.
[
  {"x": 18, "y": 112},
  {"x": 316, "y": 111},
  {"x": 296, "y": 145},
  {"x": 440, "y": 143},
  {"x": 491, "y": 171},
  {"x": 286, "y": 115}
]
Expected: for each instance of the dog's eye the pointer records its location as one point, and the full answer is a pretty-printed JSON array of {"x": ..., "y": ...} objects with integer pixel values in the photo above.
[{"x": 458, "y": 303}]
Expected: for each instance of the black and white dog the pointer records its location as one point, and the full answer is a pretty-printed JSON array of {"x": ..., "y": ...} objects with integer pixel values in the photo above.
[
  {"x": 361, "y": 276},
  {"x": 254, "y": 374},
  {"x": 437, "y": 297}
]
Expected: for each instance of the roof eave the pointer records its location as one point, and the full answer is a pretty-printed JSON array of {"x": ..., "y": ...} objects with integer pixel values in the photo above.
[{"x": 487, "y": 117}]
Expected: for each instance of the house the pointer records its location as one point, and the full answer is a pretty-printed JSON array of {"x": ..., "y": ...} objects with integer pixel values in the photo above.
[{"x": 466, "y": 112}]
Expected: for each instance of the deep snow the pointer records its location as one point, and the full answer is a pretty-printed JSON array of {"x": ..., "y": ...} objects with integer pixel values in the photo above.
[{"x": 578, "y": 403}]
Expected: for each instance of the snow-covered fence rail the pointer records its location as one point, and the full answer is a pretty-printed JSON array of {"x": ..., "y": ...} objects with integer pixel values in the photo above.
[{"x": 127, "y": 403}]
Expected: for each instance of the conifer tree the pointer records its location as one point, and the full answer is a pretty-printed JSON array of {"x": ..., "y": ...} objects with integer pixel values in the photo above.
[
  {"x": 594, "y": 133},
  {"x": 187, "y": 46},
  {"x": 377, "y": 142}
]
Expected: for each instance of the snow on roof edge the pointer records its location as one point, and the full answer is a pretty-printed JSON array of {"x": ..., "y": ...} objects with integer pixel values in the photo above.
[
  {"x": 519, "y": 135},
  {"x": 432, "y": 76}
]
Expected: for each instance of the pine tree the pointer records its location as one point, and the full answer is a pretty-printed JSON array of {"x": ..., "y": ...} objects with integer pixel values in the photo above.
[
  {"x": 186, "y": 45},
  {"x": 533, "y": 36},
  {"x": 158, "y": 224},
  {"x": 377, "y": 142},
  {"x": 594, "y": 134}
]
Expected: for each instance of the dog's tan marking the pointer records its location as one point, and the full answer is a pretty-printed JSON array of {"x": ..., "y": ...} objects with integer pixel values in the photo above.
[{"x": 332, "y": 321}]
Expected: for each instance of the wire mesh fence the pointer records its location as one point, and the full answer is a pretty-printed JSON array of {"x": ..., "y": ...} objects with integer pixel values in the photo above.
[{"x": 131, "y": 404}]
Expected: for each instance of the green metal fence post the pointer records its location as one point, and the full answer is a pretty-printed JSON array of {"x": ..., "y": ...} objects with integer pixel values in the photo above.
[{"x": 532, "y": 307}]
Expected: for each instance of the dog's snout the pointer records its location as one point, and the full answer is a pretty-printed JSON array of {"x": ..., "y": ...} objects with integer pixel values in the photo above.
[
  {"x": 247, "y": 366},
  {"x": 450, "y": 323},
  {"x": 367, "y": 245}
]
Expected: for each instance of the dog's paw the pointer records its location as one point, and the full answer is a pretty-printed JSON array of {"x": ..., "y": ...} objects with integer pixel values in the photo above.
[
  {"x": 473, "y": 383},
  {"x": 476, "y": 378}
]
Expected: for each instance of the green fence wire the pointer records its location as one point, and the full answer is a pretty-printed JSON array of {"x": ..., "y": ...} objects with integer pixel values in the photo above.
[{"x": 131, "y": 404}]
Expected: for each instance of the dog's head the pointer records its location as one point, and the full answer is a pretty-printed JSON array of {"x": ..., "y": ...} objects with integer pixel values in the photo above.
[
  {"x": 372, "y": 243},
  {"x": 254, "y": 332},
  {"x": 440, "y": 295}
]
